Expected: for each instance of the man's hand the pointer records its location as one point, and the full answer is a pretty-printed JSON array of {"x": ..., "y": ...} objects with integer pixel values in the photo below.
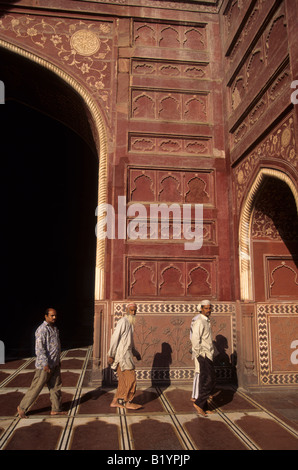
[
  {"x": 47, "y": 369},
  {"x": 136, "y": 354}
]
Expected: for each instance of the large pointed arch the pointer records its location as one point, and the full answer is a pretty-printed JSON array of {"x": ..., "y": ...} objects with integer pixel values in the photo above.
[
  {"x": 100, "y": 138},
  {"x": 246, "y": 289}
]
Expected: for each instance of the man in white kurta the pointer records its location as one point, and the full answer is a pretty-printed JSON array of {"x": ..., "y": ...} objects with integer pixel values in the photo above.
[
  {"x": 120, "y": 357},
  {"x": 196, "y": 379},
  {"x": 203, "y": 350}
]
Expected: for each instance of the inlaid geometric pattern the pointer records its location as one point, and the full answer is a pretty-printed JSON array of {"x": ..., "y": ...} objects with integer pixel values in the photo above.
[
  {"x": 269, "y": 344},
  {"x": 162, "y": 338},
  {"x": 119, "y": 308}
]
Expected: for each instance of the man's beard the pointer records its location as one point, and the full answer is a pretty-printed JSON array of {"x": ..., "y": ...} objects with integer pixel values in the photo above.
[{"x": 131, "y": 319}]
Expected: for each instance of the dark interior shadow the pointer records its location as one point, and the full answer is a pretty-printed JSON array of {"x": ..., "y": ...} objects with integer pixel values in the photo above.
[
  {"x": 273, "y": 207},
  {"x": 7, "y": 6},
  {"x": 57, "y": 185}
]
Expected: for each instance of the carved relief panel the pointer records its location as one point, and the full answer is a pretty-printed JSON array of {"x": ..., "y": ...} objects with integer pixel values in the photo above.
[
  {"x": 170, "y": 69},
  {"x": 170, "y": 145},
  {"x": 171, "y": 278},
  {"x": 258, "y": 72},
  {"x": 282, "y": 278},
  {"x": 162, "y": 338},
  {"x": 271, "y": 93},
  {"x": 171, "y": 36},
  {"x": 170, "y": 106},
  {"x": 271, "y": 47},
  {"x": 172, "y": 186}
]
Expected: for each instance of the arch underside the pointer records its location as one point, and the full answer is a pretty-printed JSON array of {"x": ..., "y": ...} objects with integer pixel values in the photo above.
[
  {"x": 76, "y": 102},
  {"x": 246, "y": 289}
]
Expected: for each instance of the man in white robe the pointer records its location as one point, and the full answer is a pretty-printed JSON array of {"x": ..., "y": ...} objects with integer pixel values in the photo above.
[
  {"x": 196, "y": 379},
  {"x": 203, "y": 351},
  {"x": 120, "y": 357}
]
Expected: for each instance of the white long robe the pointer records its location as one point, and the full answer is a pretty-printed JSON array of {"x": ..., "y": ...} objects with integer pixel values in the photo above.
[
  {"x": 122, "y": 345},
  {"x": 201, "y": 339}
]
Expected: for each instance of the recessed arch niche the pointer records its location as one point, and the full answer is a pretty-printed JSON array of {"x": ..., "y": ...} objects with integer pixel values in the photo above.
[
  {"x": 245, "y": 265},
  {"x": 42, "y": 89}
]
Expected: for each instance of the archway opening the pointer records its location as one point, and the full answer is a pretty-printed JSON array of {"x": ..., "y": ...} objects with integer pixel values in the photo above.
[
  {"x": 49, "y": 194},
  {"x": 274, "y": 242}
]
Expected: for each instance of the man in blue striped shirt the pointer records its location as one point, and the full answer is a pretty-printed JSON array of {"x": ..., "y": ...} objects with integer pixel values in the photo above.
[{"x": 48, "y": 349}]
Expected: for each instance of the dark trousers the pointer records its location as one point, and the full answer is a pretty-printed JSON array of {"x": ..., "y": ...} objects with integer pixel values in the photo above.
[{"x": 206, "y": 382}]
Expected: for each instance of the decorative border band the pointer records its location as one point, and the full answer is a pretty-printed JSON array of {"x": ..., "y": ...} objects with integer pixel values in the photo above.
[
  {"x": 176, "y": 374},
  {"x": 264, "y": 347}
]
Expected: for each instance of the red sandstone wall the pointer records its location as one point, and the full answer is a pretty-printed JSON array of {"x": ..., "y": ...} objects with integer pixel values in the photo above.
[
  {"x": 194, "y": 104},
  {"x": 169, "y": 148},
  {"x": 260, "y": 63},
  {"x": 260, "y": 48},
  {"x": 158, "y": 86}
]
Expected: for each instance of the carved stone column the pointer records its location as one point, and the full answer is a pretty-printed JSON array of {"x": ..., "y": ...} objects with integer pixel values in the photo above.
[
  {"x": 247, "y": 359},
  {"x": 99, "y": 343}
]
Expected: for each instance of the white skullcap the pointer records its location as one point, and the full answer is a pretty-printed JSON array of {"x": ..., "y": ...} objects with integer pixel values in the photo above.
[
  {"x": 132, "y": 304},
  {"x": 205, "y": 302}
]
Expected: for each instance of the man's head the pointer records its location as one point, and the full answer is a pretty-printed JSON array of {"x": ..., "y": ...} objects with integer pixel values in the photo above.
[
  {"x": 51, "y": 316},
  {"x": 206, "y": 308},
  {"x": 131, "y": 310}
]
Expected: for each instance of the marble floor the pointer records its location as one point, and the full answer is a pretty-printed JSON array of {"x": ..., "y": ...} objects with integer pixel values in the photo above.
[{"x": 166, "y": 421}]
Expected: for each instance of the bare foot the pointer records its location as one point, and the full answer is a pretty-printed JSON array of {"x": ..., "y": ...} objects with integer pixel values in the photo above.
[
  {"x": 115, "y": 404},
  {"x": 199, "y": 410},
  {"x": 21, "y": 413},
  {"x": 209, "y": 412},
  {"x": 193, "y": 399},
  {"x": 132, "y": 406},
  {"x": 55, "y": 413}
]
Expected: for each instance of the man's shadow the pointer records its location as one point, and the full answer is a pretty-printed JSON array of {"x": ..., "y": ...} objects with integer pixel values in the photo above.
[
  {"x": 160, "y": 376},
  {"x": 160, "y": 381},
  {"x": 160, "y": 372},
  {"x": 221, "y": 345},
  {"x": 223, "y": 360}
]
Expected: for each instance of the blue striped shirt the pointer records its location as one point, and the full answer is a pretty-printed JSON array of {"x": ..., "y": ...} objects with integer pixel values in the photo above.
[{"x": 47, "y": 346}]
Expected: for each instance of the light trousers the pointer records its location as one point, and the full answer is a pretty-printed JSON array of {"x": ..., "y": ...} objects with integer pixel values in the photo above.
[
  {"x": 41, "y": 378},
  {"x": 196, "y": 385},
  {"x": 126, "y": 384}
]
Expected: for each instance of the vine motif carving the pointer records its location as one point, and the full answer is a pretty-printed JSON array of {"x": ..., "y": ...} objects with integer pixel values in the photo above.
[
  {"x": 83, "y": 48},
  {"x": 270, "y": 219},
  {"x": 280, "y": 144}
]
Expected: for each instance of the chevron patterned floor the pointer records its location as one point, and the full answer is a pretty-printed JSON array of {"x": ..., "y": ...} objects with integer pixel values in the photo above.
[{"x": 167, "y": 421}]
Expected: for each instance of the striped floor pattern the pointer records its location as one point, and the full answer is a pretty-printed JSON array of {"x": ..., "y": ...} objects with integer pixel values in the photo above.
[{"x": 167, "y": 420}]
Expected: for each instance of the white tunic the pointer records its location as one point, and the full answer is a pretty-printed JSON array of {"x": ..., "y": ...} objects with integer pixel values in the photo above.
[
  {"x": 201, "y": 340},
  {"x": 194, "y": 357},
  {"x": 122, "y": 345}
]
